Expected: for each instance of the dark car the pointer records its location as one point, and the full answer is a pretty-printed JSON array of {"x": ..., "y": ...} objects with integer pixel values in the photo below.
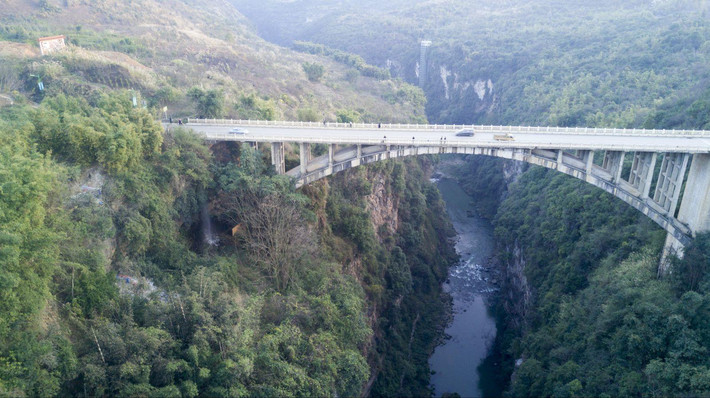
[{"x": 465, "y": 133}]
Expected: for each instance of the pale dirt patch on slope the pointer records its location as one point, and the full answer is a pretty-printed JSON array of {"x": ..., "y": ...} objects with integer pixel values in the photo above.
[{"x": 18, "y": 50}]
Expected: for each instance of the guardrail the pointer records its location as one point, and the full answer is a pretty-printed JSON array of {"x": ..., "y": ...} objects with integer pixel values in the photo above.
[
  {"x": 451, "y": 127},
  {"x": 344, "y": 140}
]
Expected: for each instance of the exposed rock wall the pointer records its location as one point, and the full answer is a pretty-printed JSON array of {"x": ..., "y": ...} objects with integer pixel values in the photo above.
[
  {"x": 455, "y": 93},
  {"x": 517, "y": 294},
  {"x": 382, "y": 206},
  {"x": 401, "y": 265}
]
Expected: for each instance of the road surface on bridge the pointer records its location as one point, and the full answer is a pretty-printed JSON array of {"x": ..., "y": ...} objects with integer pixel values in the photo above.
[{"x": 638, "y": 141}]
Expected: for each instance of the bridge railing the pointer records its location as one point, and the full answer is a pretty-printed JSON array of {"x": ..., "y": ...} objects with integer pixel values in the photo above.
[
  {"x": 450, "y": 127},
  {"x": 350, "y": 140}
]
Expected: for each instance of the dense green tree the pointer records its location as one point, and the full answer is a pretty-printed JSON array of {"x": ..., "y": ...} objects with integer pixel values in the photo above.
[
  {"x": 347, "y": 116},
  {"x": 208, "y": 103},
  {"x": 314, "y": 71},
  {"x": 252, "y": 107}
]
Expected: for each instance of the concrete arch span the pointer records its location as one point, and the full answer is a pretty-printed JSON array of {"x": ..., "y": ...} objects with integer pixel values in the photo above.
[
  {"x": 648, "y": 169},
  {"x": 632, "y": 185}
]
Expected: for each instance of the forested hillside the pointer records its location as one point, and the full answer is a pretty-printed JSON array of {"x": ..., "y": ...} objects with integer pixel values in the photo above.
[
  {"x": 567, "y": 63},
  {"x": 108, "y": 287},
  {"x": 585, "y": 312},
  {"x": 200, "y": 59}
]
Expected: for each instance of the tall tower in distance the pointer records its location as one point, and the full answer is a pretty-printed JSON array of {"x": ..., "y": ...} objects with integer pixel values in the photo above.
[{"x": 422, "y": 62}]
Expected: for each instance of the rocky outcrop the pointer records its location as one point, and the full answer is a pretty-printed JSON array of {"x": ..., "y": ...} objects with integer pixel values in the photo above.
[
  {"x": 445, "y": 74},
  {"x": 517, "y": 293},
  {"x": 512, "y": 170},
  {"x": 383, "y": 207},
  {"x": 457, "y": 89}
]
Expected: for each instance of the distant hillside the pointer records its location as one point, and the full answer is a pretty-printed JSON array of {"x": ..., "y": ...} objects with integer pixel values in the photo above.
[
  {"x": 162, "y": 49},
  {"x": 542, "y": 62}
]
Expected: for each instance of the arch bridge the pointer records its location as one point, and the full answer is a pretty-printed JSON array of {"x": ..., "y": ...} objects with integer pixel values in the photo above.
[{"x": 665, "y": 174}]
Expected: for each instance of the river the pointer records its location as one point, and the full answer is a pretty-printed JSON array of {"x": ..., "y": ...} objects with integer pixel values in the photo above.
[{"x": 455, "y": 363}]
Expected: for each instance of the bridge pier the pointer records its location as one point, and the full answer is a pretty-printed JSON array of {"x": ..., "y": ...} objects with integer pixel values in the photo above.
[
  {"x": 614, "y": 164},
  {"x": 560, "y": 159},
  {"x": 305, "y": 155},
  {"x": 672, "y": 247},
  {"x": 695, "y": 206},
  {"x": 358, "y": 155},
  {"x": 642, "y": 172},
  {"x": 670, "y": 181},
  {"x": 278, "y": 160},
  {"x": 588, "y": 159},
  {"x": 331, "y": 153}
]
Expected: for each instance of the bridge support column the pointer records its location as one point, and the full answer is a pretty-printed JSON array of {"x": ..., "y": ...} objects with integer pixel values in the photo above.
[
  {"x": 278, "y": 160},
  {"x": 649, "y": 176},
  {"x": 560, "y": 155},
  {"x": 614, "y": 164},
  {"x": 695, "y": 207},
  {"x": 672, "y": 247},
  {"x": 305, "y": 155},
  {"x": 331, "y": 154},
  {"x": 670, "y": 180},
  {"x": 588, "y": 159},
  {"x": 642, "y": 172}
]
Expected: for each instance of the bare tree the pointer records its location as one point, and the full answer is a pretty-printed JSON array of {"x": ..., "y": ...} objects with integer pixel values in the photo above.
[
  {"x": 9, "y": 77},
  {"x": 275, "y": 232}
]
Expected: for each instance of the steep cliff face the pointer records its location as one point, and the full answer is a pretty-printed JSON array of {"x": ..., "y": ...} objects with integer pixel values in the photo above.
[
  {"x": 512, "y": 170},
  {"x": 457, "y": 97},
  {"x": 516, "y": 293},
  {"x": 386, "y": 223},
  {"x": 555, "y": 233},
  {"x": 478, "y": 92},
  {"x": 383, "y": 207},
  {"x": 484, "y": 178}
]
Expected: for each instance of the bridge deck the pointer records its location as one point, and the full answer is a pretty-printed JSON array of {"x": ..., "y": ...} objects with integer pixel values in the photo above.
[{"x": 687, "y": 141}]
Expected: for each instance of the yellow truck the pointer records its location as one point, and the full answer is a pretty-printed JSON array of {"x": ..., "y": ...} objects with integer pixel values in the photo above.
[{"x": 503, "y": 137}]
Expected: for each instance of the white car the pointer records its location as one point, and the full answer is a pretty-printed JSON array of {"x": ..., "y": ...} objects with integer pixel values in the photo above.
[{"x": 238, "y": 131}]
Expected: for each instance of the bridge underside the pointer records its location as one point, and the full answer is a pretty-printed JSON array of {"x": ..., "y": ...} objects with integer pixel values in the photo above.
[{"x": 650, "y": 182}]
